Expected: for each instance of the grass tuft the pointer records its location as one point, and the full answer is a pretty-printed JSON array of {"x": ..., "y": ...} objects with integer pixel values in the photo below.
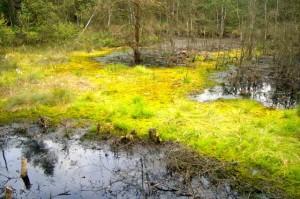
[
  {"x": 114, "y": 67},
  {"x": 142, "y": 70},
  {"x": 30, "y": 99},
  {"x": 140, "y": 109}
]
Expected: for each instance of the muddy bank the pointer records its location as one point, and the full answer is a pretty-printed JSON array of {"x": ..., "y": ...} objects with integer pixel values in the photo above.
[{"x": 66, "y": 167}]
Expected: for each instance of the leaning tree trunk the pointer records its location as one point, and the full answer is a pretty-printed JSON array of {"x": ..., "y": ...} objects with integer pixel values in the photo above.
[{"x": 137, "y": 27}]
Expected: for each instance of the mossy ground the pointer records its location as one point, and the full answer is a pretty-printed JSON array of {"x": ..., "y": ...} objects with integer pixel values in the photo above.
[{"x": 264, "y": 142}]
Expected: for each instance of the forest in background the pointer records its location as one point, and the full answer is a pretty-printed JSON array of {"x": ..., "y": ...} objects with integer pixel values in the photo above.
[{"x": 268, "y": 25}]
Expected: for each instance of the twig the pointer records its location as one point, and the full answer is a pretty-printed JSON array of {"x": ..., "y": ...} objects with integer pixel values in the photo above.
[
  {"x": 4, "y": 158},
  {"x": 164, "y": 187},
  {"x": 66, "y": 193}
]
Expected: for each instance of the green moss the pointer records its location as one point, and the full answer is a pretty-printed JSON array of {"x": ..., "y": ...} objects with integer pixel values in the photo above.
[{"x": 125, "y": 98}]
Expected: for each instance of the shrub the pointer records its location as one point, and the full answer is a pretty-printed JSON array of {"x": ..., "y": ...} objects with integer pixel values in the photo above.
[
  {"x": 63, "y": 31},
  {"x": 6, "y": 34}
]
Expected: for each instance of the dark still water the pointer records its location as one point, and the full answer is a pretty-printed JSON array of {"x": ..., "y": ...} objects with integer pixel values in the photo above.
[{"x": 67, "y": 168}]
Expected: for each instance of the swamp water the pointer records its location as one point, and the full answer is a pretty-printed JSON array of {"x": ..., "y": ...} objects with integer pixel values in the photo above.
[
  {"x": 59, "y": 167},
  {"x": 262, "y": 83},
  {"x": 150, "y": 57}
]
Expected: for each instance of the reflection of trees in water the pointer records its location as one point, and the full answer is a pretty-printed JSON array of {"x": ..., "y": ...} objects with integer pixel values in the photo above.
[
  {"x": 287, "y": 87},
  {"x": 280, "y": 85},
  {"x": 36, "y": 151}
]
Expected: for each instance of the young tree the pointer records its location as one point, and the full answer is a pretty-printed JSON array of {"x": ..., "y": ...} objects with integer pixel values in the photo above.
[{"x": 137, "y": 29}]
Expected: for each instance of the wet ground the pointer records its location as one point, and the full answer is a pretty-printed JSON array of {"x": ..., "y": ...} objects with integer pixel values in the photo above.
[
  {"x": 150, "y": 57},
  {"x": 170, "y": 52},
  {"x": 262, "y": 82},
  {"x": 61, "y": 167}
]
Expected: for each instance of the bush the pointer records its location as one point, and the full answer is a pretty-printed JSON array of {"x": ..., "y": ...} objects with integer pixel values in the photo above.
[
  {"x": 63, "y": 31},
  {"x": 32, "y": 37},
  {"x": 6, "y": 34}
]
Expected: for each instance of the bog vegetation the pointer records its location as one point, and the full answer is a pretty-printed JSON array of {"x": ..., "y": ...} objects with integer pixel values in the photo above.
[{"x": 47, "y": 68}]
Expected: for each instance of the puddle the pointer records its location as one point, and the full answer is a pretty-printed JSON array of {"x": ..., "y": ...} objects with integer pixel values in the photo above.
[
  {"x": 150, "y": 57},
  {"x": 66, "y": 168},
  {"x": 262, "y": 83},
  {"x": 165, "y": 54}
]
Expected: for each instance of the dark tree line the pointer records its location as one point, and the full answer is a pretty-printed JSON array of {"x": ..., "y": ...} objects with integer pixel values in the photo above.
[{"x": 268, "y": 24}]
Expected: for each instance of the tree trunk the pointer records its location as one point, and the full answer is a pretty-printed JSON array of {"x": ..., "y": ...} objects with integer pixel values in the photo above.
[
  {"x": 266, "y": 21},
  {"x": 223, "y": 18},
  {"x": 240, "y": 21},
  {"x": 110, "y": 12},
  {"x": 217, "y": 17},
  {"x": 277, "y": 12},
  {"x": 137, "y": 27},
  {"x": 252, "y": 18}
]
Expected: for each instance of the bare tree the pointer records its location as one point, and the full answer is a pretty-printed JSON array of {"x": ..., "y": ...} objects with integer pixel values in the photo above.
[
  {"x": 240, "y": 20},
  {"x": 137, "y": 29},
  {"x": 223, "y": 18},
  {"x": 252, "y": 19},
  {"x": 266, "y": 21}
]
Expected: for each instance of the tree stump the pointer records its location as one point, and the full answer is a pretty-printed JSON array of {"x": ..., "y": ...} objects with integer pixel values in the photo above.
[
  {"x": 24, "y": 174},
  {"x": 9, "y": 193},
  {"x": 23, "y": 167},
  {"x": 153, "y": 136}
]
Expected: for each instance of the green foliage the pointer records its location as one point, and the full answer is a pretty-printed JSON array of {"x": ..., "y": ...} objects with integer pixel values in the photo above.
[
  {"x": 142, "y": 70},
  {"x": 186, "y": 80},
  {"x": 6, "y": 33},
  {"x": 114, "y": 67},
  {"x": 95, "y": 39},
  {"x": 140, "y": 109},
  {"x": 61, "y": 32},
  {"x": 93, "y": 129},
  {"x": 110, "y": 42}
]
